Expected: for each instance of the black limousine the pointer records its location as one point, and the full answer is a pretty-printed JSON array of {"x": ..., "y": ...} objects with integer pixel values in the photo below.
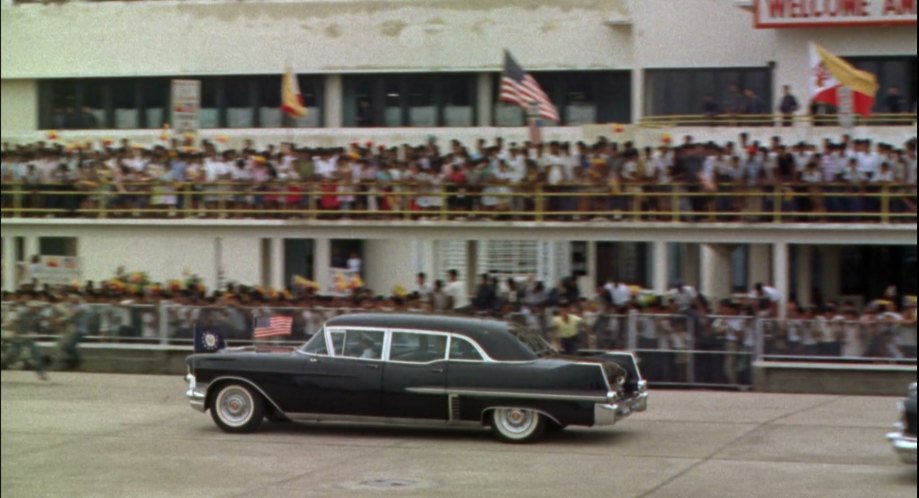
[{"x": 419, "y": 369}]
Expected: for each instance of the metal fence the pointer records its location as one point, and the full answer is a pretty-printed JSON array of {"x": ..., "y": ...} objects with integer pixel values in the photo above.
[
  {"x": 530, "y": 200},
  {"x": 675, "y": 349}
]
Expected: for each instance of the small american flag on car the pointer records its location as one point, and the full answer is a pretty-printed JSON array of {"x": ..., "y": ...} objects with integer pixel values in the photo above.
[{"x": 272, "y": 326}]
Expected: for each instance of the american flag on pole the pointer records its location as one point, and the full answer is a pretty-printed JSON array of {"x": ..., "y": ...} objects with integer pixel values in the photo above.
[
  {"x": 519, "y": 88},
  {"x": 272, "y": 326}
]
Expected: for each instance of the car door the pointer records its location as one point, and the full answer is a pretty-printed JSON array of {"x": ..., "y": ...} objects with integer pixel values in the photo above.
[
  {"x": 348, "y": 380},
  {"x": 415, "y": 376}
]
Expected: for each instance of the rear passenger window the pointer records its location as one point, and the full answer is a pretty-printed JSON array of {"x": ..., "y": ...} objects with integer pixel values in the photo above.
[
  {"x": 461, "y": 349},
  {"x": 417, "y": 348}
]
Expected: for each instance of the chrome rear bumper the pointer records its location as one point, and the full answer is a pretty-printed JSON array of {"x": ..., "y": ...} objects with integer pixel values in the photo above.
[
  {"x": 610, "y": 413},
  {"x": 904, "y": 446},
  {"x": 196, "y": 394}
]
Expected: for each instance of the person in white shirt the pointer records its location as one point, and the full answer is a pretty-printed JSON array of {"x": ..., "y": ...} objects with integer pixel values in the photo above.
[
  {"x": 768, "y": 299},
  {"x": 355, "y": 264},
  {"x": 457, "y": 292},
  {"x": 620, "y": 295}
]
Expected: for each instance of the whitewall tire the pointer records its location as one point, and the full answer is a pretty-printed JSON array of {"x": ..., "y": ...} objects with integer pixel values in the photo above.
[
  {"x": 237, "y": 408},
  {"x": 517, "y": 425}
]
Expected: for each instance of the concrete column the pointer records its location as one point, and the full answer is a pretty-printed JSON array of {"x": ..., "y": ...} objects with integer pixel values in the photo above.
[
  {"x": 759, "y": 264},
  {"x": 472, "y": 266},
  {"x": 804, "y": 273},
  {"x": 322, "y": 263},
  {"x": 638, "y": 94},
  {"x": 277, "y": 264},
  {"x": 716, "y": 271},
  {"x": 830, "y": 264},
  {"x": 484, "y": 99},
  {"x": 660, "y": 271},
  {"x": 780, "y": 274},
  {"x": 9, "y": 264},
  {"x": 333, "y": 102}
]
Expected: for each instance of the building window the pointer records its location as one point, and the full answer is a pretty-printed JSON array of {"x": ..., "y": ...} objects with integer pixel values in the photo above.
[
  {"x": 131, "y": 103},
  {"x": 685, "y": 91},
  {"x": 891, "y": 72},
  {"x": 582, "y": 97},
  {"x": 418, "y": 100}
]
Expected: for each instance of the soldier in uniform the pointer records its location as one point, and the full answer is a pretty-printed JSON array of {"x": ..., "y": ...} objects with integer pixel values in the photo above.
[{"x": 19, "y": 325}]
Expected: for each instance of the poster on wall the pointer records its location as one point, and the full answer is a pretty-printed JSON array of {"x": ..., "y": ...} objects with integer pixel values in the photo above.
[
  {"x": 58, "y": 270},
  {"x": 186, "y": 101}
]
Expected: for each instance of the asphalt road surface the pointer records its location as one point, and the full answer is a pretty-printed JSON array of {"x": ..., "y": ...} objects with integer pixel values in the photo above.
[{"x": 129, "y": 435}]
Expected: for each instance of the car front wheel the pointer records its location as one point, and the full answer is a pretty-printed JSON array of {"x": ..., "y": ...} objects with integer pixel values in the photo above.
[
  {"x": 517, "y": 425},
  {"x": 237, "y": 408}
]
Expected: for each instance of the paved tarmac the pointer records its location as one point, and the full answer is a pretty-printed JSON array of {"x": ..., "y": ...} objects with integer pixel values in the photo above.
[{"x": 129, "y": 435}]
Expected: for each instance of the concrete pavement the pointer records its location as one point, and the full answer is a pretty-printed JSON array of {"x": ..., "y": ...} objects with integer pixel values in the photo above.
[{"x": 128, "y": 435}]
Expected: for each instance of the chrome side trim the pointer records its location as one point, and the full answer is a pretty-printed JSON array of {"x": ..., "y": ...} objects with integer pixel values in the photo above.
[
  {"x": 373, "y": 420},
  {"x": 482, "y": 393},
  {"x": 257, "y": 388}
]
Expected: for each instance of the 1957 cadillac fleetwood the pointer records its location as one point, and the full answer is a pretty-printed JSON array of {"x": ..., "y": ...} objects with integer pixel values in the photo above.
[{"x": 419, "y": 369}]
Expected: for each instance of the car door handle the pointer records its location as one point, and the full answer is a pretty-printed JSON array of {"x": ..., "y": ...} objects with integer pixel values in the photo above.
[
  {"x": 437, "y": 370},
  {"x": 314, "y": 360},
  {"x": 373, "y": 367}
]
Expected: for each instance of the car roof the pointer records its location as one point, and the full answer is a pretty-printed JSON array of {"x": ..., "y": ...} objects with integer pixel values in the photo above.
[{"x": 494, "y": 336}]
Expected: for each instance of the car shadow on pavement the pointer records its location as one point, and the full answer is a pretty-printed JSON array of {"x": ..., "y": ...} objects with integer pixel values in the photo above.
[{"x": 572, "y": 437}]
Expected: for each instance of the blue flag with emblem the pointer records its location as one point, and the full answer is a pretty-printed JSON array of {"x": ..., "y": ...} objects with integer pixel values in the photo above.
[{"x": 208, "y": 339}]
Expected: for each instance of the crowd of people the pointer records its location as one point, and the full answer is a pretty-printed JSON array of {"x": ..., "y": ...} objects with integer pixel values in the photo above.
[
  {"x": 695, "y": 180},
  {"x": 666, "y": 329}
]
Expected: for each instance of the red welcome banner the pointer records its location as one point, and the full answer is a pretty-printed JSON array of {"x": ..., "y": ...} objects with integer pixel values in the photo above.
[{"x": 818, "y": 13}]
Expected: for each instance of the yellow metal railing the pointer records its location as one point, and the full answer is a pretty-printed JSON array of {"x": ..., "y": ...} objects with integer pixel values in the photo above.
[
  {"x": 675, "y": 202},
  {"x": 904, "y": 119}
]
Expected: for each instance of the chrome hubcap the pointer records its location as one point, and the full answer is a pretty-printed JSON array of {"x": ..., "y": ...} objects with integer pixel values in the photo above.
[
  {"x": 515, "y": 421},
  {"x": 235, "y": 406}
]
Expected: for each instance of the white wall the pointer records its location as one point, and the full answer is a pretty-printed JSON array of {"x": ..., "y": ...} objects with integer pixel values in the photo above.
[
  {"x": 163, "y": 255},
  {"x": 246, "y": 37},
  {"x": 18, "y": 105},
  {"x": 241, "y": 258},
  {"x": 389, "y": 263}
]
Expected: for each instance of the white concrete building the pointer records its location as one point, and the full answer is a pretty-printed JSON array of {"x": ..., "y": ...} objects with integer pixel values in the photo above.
[{"x": 401, "y": 71}]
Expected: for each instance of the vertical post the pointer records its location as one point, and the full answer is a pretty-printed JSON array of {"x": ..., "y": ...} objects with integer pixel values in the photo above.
[
  {"x": 163, "y": 322},
  {"x": 9, "y": 263},
  {"x": 483, "y": 100},
  {"x": 885, "y": 204},
  {"x": 277, "y": 263},
  {"x": 675, "y": 203},
  {"x": 17, "y": 200},
  {"x": 322, "y": 263},
  {"x": 333, "y": 115},
  {"x": 539, "y": 203},
  {"x": 661, "y": 267},
  {"x": 780, "y": 275},
  {"x": 760, "y": 341},
  {"x": 777, "y": 205},
  {"x": 691, "y": 357},
  {"x": 716, "y": 271}
]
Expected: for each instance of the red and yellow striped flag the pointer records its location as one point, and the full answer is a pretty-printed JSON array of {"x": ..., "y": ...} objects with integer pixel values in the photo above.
[{"x": 291, "y": 98}]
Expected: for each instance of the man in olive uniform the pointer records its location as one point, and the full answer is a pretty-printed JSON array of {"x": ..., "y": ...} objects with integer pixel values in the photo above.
[{"x": 18, "y": 328}]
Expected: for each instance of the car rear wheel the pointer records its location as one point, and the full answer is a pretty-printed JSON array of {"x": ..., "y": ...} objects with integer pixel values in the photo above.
[
  {"x": 237, "y": 408},
  {"x": 517, "y": 425}
]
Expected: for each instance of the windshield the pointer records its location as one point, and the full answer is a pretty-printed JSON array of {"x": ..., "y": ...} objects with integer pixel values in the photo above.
[
  {"x": 533, "y": 341},
  {"x": 316, "y": 345}
]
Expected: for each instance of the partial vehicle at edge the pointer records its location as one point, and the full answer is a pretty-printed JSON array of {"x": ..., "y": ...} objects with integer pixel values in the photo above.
[{"x": 904, "y": 439}]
